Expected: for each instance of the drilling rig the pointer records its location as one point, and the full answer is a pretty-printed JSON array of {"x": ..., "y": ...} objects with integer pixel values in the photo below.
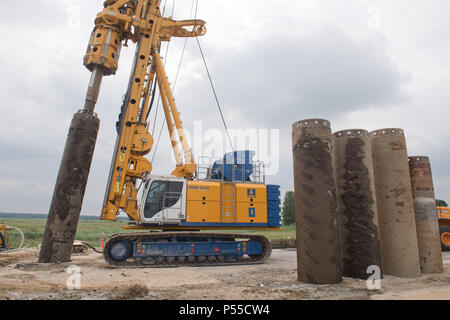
[{"x": 226, "y": 194}]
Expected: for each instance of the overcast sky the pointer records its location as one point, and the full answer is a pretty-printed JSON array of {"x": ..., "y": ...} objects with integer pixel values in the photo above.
[{"x": 359, "y": 63}]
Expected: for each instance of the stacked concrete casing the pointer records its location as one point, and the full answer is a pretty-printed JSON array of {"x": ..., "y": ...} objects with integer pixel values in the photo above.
[
  {"x": 398, "y": 237},
  {"x": 426, "y": 217},
  {"x": 318, "y": 254},
  {"x": 356, "y": 203}
]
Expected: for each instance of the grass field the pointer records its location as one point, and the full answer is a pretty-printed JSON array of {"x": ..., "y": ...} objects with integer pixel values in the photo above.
[{"x": 91, "y": 231}]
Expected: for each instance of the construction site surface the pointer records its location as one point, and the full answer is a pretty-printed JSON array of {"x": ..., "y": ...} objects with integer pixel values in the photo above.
[{"x": 23, "y": 278}]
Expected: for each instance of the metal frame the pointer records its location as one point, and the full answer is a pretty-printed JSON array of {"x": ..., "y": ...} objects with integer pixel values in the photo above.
[{"x": 203, "y": 172}]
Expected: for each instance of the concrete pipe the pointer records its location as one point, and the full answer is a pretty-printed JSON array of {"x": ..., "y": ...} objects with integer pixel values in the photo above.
[
  {"x": 398, "y": 237},
  {"x": 426, "y": 216},
  {"x": 318, "y": 254},
  {"x": 356, "y": 203}
]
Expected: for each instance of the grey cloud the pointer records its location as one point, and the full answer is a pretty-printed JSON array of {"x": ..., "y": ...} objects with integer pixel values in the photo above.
[
  {"x": 43, "y": 12},
  {"x": 326, "y": 73},
  {"x": 272, "y": 81}
]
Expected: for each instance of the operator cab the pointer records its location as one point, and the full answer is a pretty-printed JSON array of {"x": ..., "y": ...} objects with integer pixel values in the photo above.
[{"x": 163, "y": 200}]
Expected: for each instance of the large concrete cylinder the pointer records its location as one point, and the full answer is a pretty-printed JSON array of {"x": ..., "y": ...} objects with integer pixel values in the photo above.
[
  {"x": 426, "y": 216},
  {"x": 356, "y": 203},
  {"x": 318, "y": 254},
  {"x": 69, "y": 189},
  {"x": 398, "y": 237}
]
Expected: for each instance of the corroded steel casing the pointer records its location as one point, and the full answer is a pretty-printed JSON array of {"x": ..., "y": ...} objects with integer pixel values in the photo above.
[
  {"x": 356, "y": 203},
  {"x": 426, "y": 216},
  {"x": 69, "y": 189},
  {"x": 398, "y": 237},
  {"x": 318, "y": 254}
]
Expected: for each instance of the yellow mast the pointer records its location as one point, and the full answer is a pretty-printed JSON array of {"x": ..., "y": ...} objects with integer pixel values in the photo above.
[{"x": 141, "y": 22}]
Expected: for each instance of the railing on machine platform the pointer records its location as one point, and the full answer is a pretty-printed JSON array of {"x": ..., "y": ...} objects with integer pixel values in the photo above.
[{"x": 205, "y": 171}]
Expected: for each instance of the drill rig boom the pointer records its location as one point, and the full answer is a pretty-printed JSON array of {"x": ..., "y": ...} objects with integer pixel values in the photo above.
[{"x": 140, "y": 22}]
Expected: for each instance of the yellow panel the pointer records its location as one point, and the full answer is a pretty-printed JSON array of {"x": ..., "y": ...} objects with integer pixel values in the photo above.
[
  {"x": 443, "y": 212},
  {"x": 203, "y": 211},
  {"x": 251, "y": 192},
  {"x": 203, "y": 191},
  {"x": 248, "y": 212},
  {"x": 2, "y": 231}
]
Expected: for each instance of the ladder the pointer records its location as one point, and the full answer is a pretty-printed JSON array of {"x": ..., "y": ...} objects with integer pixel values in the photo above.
[{"x": 228, "y": 202}]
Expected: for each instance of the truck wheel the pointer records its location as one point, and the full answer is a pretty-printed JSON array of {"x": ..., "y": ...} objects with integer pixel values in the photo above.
[{"x": 445, "y": 237}]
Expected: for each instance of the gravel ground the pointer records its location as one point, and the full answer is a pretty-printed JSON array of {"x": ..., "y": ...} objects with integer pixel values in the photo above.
[{"x": 21, "y": 277}]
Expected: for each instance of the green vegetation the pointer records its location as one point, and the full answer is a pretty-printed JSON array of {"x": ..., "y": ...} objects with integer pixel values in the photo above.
[
  {"x": 441, "y": 203},
  {"x": 90, "y": 231},
  {"x": 288, "y": 211}
]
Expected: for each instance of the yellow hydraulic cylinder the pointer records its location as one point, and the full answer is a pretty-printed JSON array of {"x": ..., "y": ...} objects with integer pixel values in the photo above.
[{"x": 189, "y": 167}]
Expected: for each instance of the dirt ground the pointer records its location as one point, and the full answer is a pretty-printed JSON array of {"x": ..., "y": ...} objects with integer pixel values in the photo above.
[{"x": 22, "y": 278}]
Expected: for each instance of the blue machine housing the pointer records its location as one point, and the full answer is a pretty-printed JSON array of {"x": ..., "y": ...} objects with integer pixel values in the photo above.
[
  {"x": 274, "y": 205},
  {"x": 235, "y": 166}
]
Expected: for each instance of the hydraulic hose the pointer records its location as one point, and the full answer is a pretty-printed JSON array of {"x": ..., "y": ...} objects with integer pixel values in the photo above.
[{"x": 3, "y": 238}]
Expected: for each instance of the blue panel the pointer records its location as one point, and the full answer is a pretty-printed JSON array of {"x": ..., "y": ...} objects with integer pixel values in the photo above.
[
  {"x": 273, "y": 196},
  {"x": 273, "y": 205},
  {"x": 272, "y": 213},
  {"x": 220, "y": 225},
  {"x": 253, "y": 247},
  {"x": 275, "y": 222},
  {"x": 273, "y": 188},
  {"x": 237, "y": 163},
  {"x": 202, "y": 248}
]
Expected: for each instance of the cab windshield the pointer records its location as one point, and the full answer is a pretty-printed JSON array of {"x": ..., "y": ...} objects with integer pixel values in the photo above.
[{"x": 161, "y": 195}]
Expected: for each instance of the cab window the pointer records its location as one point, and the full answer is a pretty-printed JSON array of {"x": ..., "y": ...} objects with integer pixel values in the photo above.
[{"x": 162, "y": 194}]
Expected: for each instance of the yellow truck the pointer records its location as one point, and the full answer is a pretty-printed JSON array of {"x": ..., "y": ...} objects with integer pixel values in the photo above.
[
  {"x": 444, "y": 227},
  {"x": 3, "y": 237}
]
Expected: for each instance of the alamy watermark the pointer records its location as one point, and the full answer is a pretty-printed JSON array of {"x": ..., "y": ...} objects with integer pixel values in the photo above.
[
  {"x": 214, "y": 144},
  {"x": 374, "y": 280},
  {"x": 74, "y": 280}
]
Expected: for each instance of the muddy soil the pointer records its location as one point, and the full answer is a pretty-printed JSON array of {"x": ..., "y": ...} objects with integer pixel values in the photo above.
[
  {"x": 21, "y": 277},
  {"x": 356, "y": 207}
]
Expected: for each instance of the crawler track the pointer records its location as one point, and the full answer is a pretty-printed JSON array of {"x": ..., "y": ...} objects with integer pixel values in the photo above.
[{"x": 175, "y": 261}]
